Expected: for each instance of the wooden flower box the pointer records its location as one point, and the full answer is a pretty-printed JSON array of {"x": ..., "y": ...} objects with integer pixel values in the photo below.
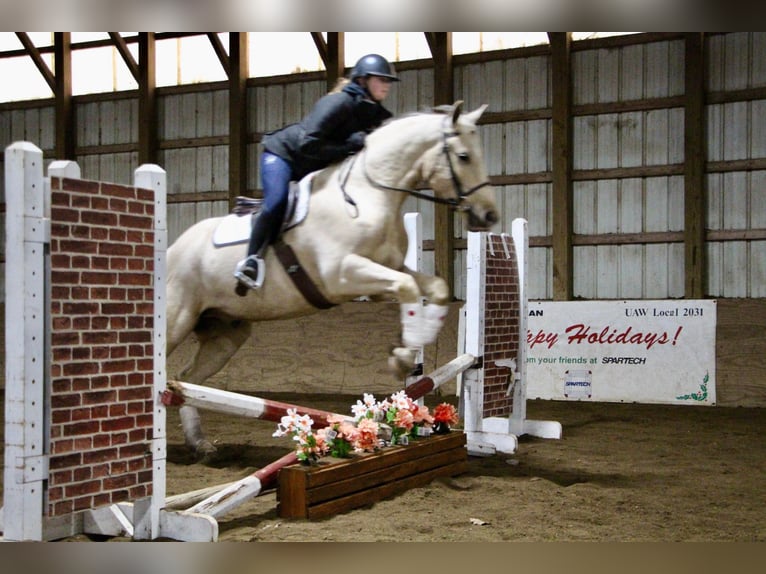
[{"x": 334, "y": 485}]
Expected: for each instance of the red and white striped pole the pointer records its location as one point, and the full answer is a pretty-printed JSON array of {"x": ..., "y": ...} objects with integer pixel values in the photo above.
[
  {"x": 207, "y": 398},
  {"x": 251, "y": 486}
]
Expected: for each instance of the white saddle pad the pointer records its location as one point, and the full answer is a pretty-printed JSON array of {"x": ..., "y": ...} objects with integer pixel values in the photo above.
[{"x": 235, "y": 228}]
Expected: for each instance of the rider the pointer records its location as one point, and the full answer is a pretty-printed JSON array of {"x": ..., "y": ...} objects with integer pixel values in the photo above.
[{"x": 335, "y": 128}]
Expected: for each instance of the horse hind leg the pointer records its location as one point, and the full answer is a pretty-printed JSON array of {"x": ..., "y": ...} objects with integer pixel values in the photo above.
[{"x": 218, "y": 339}]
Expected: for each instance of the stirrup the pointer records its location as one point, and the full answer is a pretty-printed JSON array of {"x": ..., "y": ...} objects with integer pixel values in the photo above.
[{"x": 251, "y": 277}]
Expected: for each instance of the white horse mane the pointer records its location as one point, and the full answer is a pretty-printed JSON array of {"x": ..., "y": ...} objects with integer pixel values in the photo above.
[{"x": 413, "y": 123}]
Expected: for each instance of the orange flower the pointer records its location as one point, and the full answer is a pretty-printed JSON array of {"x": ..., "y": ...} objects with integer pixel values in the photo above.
[{"x": 445, "y": 413}]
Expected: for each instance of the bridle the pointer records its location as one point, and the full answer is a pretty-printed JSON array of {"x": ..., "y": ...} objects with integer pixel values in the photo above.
[{"x": 454, "y": 202}]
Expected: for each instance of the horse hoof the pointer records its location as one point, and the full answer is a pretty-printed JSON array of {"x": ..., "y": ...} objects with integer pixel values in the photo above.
[
  {"x": 205, "y": 451},
  {"x": 401, "y": 361}
]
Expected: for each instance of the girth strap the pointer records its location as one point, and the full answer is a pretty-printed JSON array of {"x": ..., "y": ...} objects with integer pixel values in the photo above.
[{"x": 299, "y": 277}]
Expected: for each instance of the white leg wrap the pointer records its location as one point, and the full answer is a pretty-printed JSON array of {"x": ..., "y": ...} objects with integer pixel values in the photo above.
[{"x": 421, "y": 325}]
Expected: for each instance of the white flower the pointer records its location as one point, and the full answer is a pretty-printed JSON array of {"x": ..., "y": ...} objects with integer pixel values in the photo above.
[
  {"x": 359, "y": 410},
  {"x": 400, "y": 400},
  {"x": 369, "y": 400}
]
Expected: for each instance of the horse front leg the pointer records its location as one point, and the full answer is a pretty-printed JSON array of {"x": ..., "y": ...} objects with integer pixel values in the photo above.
[
  {"x": 427, "y": 319},
  {"x": 420, "y": 324}
]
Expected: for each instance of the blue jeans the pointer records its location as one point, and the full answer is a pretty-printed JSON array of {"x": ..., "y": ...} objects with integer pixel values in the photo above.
[{"x": 275, "y": 176}]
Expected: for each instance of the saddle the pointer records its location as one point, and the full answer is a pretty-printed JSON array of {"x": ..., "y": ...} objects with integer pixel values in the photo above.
[{"x": 235, "y": 227}]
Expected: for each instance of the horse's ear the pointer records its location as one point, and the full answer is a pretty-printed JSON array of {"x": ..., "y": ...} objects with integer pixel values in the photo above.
[
  {"x": 456, "y": 107},
  {"x": 474, "y": 116}
]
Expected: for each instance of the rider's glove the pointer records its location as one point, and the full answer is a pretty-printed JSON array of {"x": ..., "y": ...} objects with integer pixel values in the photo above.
[{"x": 356, "y": 140}]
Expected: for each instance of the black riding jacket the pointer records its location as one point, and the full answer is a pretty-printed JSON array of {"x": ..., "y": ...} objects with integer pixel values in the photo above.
[{"x": 322, "y": 137}]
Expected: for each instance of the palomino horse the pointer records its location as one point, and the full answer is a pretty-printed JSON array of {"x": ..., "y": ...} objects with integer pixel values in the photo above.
[{"x": 351, "y": 244}]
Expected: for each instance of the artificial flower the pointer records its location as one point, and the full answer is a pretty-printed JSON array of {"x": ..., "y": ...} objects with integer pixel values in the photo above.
[{"x": 445, "y": 413}]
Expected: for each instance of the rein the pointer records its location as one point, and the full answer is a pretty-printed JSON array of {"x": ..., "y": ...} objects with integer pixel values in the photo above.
[{"x": 460, "y": 193}]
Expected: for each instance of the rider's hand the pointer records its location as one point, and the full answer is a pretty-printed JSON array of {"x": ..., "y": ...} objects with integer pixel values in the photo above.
[{"x": 356, "y": 140}]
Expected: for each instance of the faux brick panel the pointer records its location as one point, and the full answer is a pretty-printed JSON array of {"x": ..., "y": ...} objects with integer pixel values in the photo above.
[
  {"x": 501, "y": 324},
  {"x": 102, "y": 255},
  {"x": 100, "y": 219}
]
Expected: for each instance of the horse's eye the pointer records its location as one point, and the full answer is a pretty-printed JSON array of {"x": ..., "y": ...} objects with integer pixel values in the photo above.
[{"x": 463, "y": 156}]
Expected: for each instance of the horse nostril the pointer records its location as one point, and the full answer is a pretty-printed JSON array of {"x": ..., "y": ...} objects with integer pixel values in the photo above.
[{"x": 491, "y": 217}]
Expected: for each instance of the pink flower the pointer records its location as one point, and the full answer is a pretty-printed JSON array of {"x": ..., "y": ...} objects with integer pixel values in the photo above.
[
  {"x": 366, "y": 438},
  {"x": 404, "y": 419},
  {"x": 335, "y": 418},
  {"x": 347, "y": 430},
  {"x": 421, "y": 415}
]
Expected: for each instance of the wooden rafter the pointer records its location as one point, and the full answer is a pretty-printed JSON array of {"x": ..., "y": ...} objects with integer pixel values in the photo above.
[
  {"x": 37, "y": 58},
  {"x": 127, "y": 56},
  {"x": 220, "y": 51},
  {"x": 321, "y": 46}
]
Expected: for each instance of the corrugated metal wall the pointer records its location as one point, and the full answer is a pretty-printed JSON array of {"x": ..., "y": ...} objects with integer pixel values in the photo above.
[
  {"x": 520, "y": 147},
  {"x": 737, "y": 131},
  {"x": 193, "y": 150},
  {"x": 630, "y": 139},
  {"x": 190, "y": 117},
  {"x": 107, "y": 123}
]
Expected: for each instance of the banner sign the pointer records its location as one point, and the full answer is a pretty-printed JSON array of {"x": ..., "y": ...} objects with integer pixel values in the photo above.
[{"x": 613, "y": 351}]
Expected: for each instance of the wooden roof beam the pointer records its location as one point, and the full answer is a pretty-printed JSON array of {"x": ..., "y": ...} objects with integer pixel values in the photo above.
[
  {"x": 333, "y": 55},
  {"x": 321, "y": 46},
  {"x": 37, "y": 58},
  {"x": 220, "y": 51},
  {"x": 127, "y": 56}
]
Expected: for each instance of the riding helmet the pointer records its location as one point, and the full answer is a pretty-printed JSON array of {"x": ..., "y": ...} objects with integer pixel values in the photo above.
[{"x": 373, "y": 65}]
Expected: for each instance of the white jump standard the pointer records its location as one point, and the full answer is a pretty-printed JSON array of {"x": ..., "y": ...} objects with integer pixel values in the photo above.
[
  {"x": 85, "y": 356},
  {"x": 493, "y": 397}
]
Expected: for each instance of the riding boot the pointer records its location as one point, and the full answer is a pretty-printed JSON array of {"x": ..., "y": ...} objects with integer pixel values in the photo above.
[{"x": 250, "y": 271}]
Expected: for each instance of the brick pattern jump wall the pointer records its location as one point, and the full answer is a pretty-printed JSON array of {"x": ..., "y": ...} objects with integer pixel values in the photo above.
[
  {"x": 102, "y": 260},
  {"x": 501, "y": 323}
]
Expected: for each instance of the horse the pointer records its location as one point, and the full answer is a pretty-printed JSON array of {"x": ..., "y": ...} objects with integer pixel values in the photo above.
[{"x": 351, "y": 244}]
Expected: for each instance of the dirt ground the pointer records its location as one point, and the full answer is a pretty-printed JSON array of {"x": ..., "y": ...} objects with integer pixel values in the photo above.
[{"x": 621, "y": 472}]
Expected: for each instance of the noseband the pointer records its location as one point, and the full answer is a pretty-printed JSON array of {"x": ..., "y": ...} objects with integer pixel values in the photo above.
[{"x": 460, "y": 193}]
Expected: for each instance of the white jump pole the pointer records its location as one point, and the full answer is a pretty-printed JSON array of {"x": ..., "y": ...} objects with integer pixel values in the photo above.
[{"x": 211, "y": 399}]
